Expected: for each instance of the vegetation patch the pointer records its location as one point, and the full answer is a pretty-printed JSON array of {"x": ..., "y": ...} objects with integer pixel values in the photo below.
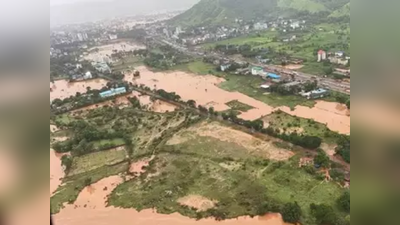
[
  {"x": 236, "y": 105},
  {"x": 97, "y": 159},
  {"x": 287, "y": 123},
  {"x": 73, "y": 185}
]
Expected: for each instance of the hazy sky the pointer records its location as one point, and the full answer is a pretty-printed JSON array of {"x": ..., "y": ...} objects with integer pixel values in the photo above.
[{"x": 77, "y": 11}]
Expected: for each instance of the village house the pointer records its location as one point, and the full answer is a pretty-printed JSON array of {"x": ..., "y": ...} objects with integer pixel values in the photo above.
[
  {"x": 318, "y": 93},
  {"x": 224, "y": 67},
  {"x": 321, "y": 55}
]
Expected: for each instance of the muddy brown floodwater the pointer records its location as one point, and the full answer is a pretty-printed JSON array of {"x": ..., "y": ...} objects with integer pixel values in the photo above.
[
  {"x": 90, "y": 206},
  {"x": 63, "y": 89},
  {"x": 334, "y": 115}
]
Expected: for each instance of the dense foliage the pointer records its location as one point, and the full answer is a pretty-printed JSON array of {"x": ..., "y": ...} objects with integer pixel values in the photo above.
[
  {"x": 343, "y": 147},
  {"x": 291, "y": 212}
]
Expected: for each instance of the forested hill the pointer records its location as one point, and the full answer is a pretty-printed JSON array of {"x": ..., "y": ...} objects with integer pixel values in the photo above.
[{"x": 225, "y": 11}]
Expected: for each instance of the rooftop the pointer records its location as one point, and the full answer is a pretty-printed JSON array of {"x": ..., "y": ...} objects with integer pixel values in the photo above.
[{"x": 319, "y": 91}]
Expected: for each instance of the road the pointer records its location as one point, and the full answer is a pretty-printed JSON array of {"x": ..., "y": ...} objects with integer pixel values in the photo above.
[{"x": 324, "y": 82}]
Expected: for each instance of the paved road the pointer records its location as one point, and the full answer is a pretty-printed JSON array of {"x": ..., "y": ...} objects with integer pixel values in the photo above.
[{"x": 325, "y": 82}]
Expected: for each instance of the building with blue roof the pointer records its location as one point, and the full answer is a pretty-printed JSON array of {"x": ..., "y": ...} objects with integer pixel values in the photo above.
[
  {"x": 112, "y": 92},
  {"x": 273, "y": 76},
  {"x": 318, "y": 93}
]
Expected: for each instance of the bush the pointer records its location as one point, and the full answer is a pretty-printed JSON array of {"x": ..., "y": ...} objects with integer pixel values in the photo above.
[
  {"x": 343, "y": 202},
  {"x": 291, "y": 212}
]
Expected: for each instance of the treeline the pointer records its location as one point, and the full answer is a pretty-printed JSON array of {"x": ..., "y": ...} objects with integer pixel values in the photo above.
[
  {"x": 84, "y": 135},
  {"x": 91, "y": 97},
  {"x": 244, "y": 50},
  {"x": 281, "y": 89},
  {"x": 343, "y": 147},
  {"x": 164, "y": 57}
]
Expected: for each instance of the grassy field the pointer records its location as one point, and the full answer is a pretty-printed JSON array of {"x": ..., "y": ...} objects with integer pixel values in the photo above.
[
  {"x": 255, "y": 40},
  {"x": 249, "y": 85},
  {"x": 64, "y": 119},
  {"x": 288, "y": 123},
  {"x": 72, "y": 185},
  {"x": 127, "y": 63},
  {"x": 199, "y": 67},
  {"x": 240, "y": 181},
  {"x": 236, "y": 105},
  {"x": 95, "y": 160},
  {"x": 111, "y": 142}
]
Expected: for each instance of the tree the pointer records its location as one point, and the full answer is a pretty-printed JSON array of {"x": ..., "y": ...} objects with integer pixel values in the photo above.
[
  {"x": 66, "y": 162},
  {"x": 344, "y": 201},
  {"x": 323, "y": 214},
  {"x": 88, "y": 181},
  {"x": 211, "y": 110},
  {"x": 348, "y": 103},
  {"x": 328, "y": 70},
  {"x": 191, "y": 103},
  {"x": 322, "y": 159},
  {"x": 291, "y": 212},
  {"x": 309, "y": 86}
]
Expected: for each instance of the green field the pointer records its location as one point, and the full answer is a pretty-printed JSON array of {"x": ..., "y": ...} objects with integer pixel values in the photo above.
[
  {"x": 249, "y": 85},
  {"x": 288, "y": 123},
  {"x": 236, "y": 105},
  {"x": 225, "y": 172},
  {"x": 95, "y": 160},
  {"x": 110, "y": 142},
  {"x": 127, "y": 63},
  {"x": 263, "y": 39}
]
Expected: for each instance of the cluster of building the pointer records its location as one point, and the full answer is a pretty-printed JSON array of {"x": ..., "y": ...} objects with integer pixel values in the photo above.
[
  {"x": 203, "y": 34},
  {"x": 338, "y": 57}
]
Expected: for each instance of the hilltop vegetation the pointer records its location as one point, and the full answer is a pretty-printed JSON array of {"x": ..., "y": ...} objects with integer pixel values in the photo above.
[
  {"x": 213, "y": 12},
  {"x": 341, "y": 12}
]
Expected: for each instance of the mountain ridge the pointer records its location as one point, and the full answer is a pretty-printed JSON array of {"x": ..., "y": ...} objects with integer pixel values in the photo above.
[{"x": 214, "y": 12}]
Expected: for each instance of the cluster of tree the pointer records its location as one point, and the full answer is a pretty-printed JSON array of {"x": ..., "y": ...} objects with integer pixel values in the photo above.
[
  {"x": 84, "y": 136},
  {"x": 326, "y": 215},
  {"x": 66, "y": 162},
  {"x": 322, "y": 159},
  {"x": 343, "y": 202},
  {"x": 343, "y": 147},
  {"x": 283, "y": 90},
  {"x": 255, "y": 124},
  {"x": 168, "y": 95},
  {"x": 306, "y": 141},
  {"x": 343, "y": 98},
  {"x": 91, "y": 97},
  {"x": 245, "y": 50},
  {"x": 291, "y": 212},
  {"x": 135, "y": 102}
]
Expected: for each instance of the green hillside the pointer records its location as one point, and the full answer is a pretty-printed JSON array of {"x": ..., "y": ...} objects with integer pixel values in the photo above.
[
  {"x": 341, "y": 12},
  {"x": 302, "y": 5},
  {"x": 208, "y": 12},
  {"x": 224, "y": 11}
]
